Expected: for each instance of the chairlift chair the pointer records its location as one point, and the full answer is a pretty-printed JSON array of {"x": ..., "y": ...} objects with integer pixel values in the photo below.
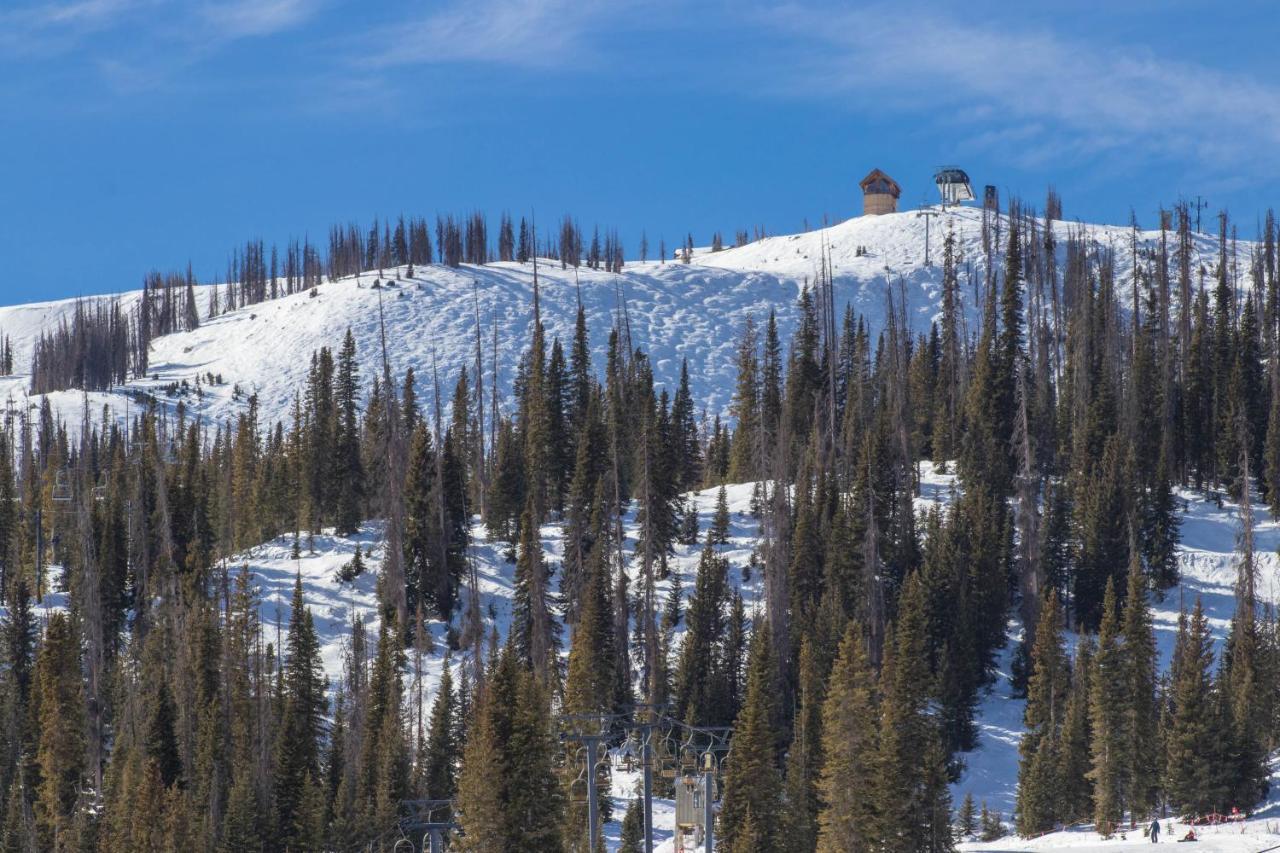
[
  {"x": 61, "y": 487},
  {"x": 578, "y": 789}
]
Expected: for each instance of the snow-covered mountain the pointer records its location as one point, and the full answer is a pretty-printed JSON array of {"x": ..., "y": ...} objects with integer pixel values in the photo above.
[
  {"x": 675, "y": 311},
  {"x": 694, "y": 311}
]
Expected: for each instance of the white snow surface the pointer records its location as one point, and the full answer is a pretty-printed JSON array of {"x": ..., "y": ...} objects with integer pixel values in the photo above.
[
  {"x": 675, "y": 311},
  {"x": 695, "y": 311},
  {"x": 1207, "y": 557}
]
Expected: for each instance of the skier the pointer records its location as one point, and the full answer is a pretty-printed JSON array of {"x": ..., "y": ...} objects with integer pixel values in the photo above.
[{"x": 1155, "y": 831}]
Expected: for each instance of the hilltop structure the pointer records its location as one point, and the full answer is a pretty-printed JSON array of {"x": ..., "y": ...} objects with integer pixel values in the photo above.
[{"x": 879, "y": 193}]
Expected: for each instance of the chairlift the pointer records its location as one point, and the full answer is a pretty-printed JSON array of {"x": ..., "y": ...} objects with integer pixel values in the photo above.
[
  {"x": 579, "y": 790},
  {"x": 100, "y": 487},
  {"x": 667, "y": 756},
  {"x": 688, "y": 760},
  {"x": 61, "y": 487},
  {"x": 626, "y": 757}
]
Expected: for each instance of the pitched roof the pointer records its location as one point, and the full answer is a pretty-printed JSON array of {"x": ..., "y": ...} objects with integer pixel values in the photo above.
[{"x": 876, "y": 174}]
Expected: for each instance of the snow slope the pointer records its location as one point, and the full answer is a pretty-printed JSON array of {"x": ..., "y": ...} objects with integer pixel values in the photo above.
[
  {"x": 334, "y": 604},
  {"x": 694, "y": 311},
  {"x": 1207, "y": 560},
  {"x": 675, "y": 311}
]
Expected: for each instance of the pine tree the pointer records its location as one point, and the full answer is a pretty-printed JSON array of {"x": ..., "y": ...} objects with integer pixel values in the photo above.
[
  {"x": 747, "y": 438},
  {"x": 701, "y": 684},
  {"x": 966, "y": 817},
  {"x": 1141, "y": 714},
  {"x": 161, "y": 742},
  {"x": 804, "y": 757},
  {"x": 297, "y": 757},
  {"x": 348, "y": 483},
  {"x": 1193, "y": 781},
  {"x": 440, "y": 775},
  {"x": 534, "y": 802},
  {"x": 536, "y": 633},
  {"x": 848, "y": 820},
  {"x": 632, "y": 829},
  {"x": 1107, "y": 717},
  {"x": 751, "y": 810},
  {"x": 481, "y": 789},
  {"x": 719, "y": 533},
  {"x": 60, "y": 750},
  {"x": 1038, "y": 801},
  {"x": 912, "y": 791}
]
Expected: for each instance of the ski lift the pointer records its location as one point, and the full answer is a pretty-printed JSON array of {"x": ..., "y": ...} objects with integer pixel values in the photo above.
[
  {"x": 626, "y": 757},
  {"x": 665, "y": 755},
  {"x": 953, "y": 184},
  {"x": 579, "y": 790},
  {"x": 61, "y": 487},
  {"x": 688, "y": 758},
  {"x": 100, "y": 488}
]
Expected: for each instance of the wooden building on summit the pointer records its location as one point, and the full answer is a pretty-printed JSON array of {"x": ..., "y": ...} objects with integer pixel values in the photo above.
[{"x": 879, "y": 193}]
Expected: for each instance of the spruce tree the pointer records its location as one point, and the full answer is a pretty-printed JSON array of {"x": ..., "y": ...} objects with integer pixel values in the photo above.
[
  {"x": 1038, "y": 802},
  {"x": 804, "y": 757},
  {"x": 632, "y": 839},
  {"x": 304, "y": 705},
  {"x": 60, "y": 749},
  {"x": 440, "y": 774},
  {"x": 348, "y": 483},
  {"x": 1193, "y": 780},
  {"x": 1141, "y": 714},
  {"x": 966, "y": 817},
  {"x": 912, "y": 786},
  {"x": 848, "y": 820},
  {"x": 751, "y": 813},
  {"x": 1107, "y": 717}
]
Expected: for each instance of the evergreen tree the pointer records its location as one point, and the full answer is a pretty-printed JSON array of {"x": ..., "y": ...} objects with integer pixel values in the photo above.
[
  {"x": 751, "y": 813},
  {"x": 804, "y": 757},
  {"x": 1038, "y": 801},
  {"x": 440, "y": 774},
  {"x": 1107, "y": 718},
  {"x": 60, "y": 750},
  {"x": 297, "y": 760},
  {"x": 632, "y": 829},
  {"x": 848, "y": 819},
  {"x": 1141, "y": 714},
  {"x": 967, "y": 817},
  {"x": 1193, "y": 781},
  {"x": 348, "y": 485},
  {"x": 912, "y": 792}
]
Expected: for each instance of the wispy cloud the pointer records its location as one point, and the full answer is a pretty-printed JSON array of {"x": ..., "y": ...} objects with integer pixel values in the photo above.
[
  {"x": 35, "y": 28},
  {"x": 1039, "y": 93},
  {"x": 534, "y": 33},
  {"x": 232, "y": 19}
]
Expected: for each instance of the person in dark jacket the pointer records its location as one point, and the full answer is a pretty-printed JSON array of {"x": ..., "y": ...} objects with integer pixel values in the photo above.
[{"x": 1155, "y": 831}]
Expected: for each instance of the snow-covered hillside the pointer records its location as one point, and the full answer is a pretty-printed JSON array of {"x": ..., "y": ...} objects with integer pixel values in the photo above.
[
  {"x": 675, "y": 311},
  {"x": 1207, "y": 559}
]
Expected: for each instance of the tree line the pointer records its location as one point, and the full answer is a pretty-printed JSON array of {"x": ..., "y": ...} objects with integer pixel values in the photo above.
[{"x": 160, "y": 708}]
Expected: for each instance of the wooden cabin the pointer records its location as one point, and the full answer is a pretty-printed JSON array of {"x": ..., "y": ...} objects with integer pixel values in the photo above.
[{"x": 879, "y": 193}]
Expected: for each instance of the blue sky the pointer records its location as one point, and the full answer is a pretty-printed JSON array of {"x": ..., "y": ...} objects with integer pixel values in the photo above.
[{"x": 140, "y": 134}]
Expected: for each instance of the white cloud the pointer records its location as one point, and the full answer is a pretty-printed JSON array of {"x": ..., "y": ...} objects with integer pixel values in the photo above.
[
  {"x": 234, "y": 19},
  {"x": 536, "y": 33},
  {"x": 34, "y": 28},
  {"x": 1036, "y": 92}
]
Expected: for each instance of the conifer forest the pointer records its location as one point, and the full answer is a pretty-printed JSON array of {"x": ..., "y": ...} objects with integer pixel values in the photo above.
[{"x": 768, "y": 616}]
